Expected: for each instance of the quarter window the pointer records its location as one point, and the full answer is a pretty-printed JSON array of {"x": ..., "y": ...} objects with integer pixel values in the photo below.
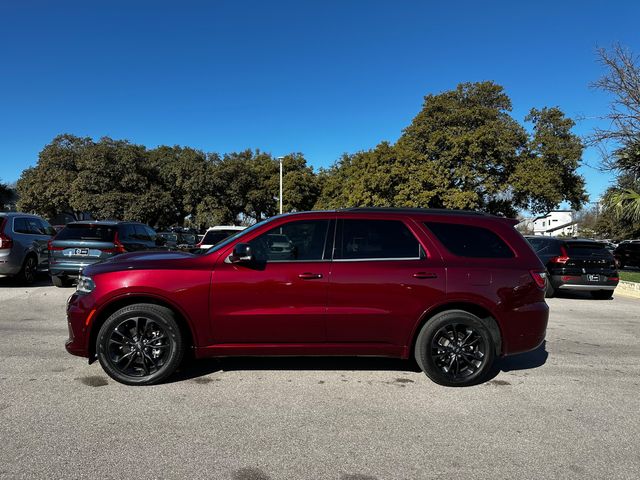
[
  {"x": 295, "y": 241},
  {"x": 470, "y": 241},
  {"x": 375, "y": 239}
]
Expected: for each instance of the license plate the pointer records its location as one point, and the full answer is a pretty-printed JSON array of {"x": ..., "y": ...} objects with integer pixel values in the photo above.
[
  {"x": 593, "y": 278},
  {"x": 81, "y": 251}
]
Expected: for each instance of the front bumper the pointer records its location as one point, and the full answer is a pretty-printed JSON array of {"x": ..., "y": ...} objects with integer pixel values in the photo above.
[{"x": 79, "y": 314}]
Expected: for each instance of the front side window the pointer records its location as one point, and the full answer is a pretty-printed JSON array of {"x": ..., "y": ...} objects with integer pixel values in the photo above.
[
  {"x": 470, "y": 241},
  {"x": 292, "y": 242},
  {"x": 376, "y": 240}
]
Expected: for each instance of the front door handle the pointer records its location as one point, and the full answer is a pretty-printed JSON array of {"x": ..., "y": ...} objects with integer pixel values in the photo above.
[
  {"x": 309, "y": 276},
  {"x": 425, "y": 275}
]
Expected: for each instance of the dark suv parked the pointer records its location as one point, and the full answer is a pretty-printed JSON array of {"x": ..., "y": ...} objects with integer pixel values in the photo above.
[
  {"x": 627, "y": 254},
  {"x": 577, "y": 265},
  {"x": 452, "y": 289},
  {"x": 23, "y": 245},
  {"x": 80, "y": 244}
]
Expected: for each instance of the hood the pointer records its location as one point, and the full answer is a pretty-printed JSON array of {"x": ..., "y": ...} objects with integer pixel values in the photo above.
[{"x": 138, "y": 261}]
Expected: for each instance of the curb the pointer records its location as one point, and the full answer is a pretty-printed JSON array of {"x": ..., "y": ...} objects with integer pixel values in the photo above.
[{"x": 628, "y": 289}]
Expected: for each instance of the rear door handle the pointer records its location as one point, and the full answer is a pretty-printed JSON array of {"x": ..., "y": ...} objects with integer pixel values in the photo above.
[
  {"x": 309, "y": 276},
  {"x": 425, "y": 275}
]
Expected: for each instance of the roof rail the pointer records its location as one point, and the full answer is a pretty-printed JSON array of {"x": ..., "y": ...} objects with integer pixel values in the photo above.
[{"x": 431, "y": 211}]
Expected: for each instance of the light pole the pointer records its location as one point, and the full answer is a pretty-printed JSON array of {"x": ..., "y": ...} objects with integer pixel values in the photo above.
[{"x": 280, "y": 159}]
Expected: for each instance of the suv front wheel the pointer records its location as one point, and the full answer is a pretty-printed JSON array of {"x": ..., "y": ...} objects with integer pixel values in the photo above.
[
  {"x": 140, "y": 344},
  {"x": 455, "y": 349}
]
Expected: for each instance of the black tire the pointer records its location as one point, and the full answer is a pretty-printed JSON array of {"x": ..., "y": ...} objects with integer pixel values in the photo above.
[
  {"x": 60, "y": 281},
  {"x": 602, "y": 294},
  {"x": 455, "y": 365},
  {"x": 29, "y": 270},
  {"x": 140, "y": 344}
]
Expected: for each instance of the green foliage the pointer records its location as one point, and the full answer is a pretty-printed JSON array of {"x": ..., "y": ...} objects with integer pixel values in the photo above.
[
  {"x": 6, "y": 195},
  {"x": 115, "y": 179},
  {"x": 464, "y": 151}
]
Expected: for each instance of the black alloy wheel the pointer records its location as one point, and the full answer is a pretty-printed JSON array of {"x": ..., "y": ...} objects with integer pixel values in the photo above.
[
  {"x": 455, "y": 348},
  {"x": 140, "y": 344},
  {"x": 458, "y": 350}
]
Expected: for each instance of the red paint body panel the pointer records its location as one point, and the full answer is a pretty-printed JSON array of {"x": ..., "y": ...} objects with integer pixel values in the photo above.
[{"x": 346, "y": 307}]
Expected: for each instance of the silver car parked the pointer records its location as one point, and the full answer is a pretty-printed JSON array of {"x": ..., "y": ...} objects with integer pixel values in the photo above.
[{"x": 23, "y": 245}]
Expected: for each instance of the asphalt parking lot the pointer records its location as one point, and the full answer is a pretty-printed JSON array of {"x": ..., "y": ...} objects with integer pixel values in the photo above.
[{"x": 568, "y": 410}]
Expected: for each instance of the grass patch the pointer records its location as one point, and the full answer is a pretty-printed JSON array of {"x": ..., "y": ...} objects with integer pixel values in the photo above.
[{"x": 630, "y": 276}]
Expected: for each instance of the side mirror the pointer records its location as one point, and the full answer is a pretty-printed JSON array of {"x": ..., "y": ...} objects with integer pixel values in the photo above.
[{"x": 241, "y": 253}]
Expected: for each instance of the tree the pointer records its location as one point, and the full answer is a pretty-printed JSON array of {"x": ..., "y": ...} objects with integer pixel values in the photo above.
[
  {"x": 547, "y": 173},
  {"x": 463, "y": 150},
  {"x": 622, "y": 81},
  {"x": 6, "y": 195}
]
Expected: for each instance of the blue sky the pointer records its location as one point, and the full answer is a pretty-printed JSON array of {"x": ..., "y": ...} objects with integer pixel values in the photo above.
[{"x": 318, "y": 77}]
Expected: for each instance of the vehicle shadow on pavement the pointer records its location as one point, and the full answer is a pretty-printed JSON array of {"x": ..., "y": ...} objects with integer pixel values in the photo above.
[
  {"x": 524, "y": 361},
  {"x": 11, "y": 282},
  {"x": 193, "y": 369},
  {"x": 198, "y": 368}
]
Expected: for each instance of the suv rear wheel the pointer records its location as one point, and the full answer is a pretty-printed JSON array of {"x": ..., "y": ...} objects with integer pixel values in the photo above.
[
  {"x": 140, "y": 344},
  {"x": 29, "y": 270},
  {"x": 455, "y": 349}
]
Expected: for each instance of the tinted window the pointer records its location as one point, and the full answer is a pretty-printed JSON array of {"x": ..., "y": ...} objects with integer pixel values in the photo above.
[
  {"x": 375, "y": 239},
  {"x": 581, "y": 249},
  {"x": 295, "y": 241},
  {"x": 170, "y": 237},
  {"x": 188, "y": 238},
  {"x": 151, "y": 233},
  {"x": 47, "y": 228},
  {"x": 83, "y": 231},
  {"x": 470, "y": 241},
  {"x": 20, "y": 225},
  {"x": 142, "y": 233},
  {"x": 126, "y": 232},
  {"x": 545, "y": 246}
]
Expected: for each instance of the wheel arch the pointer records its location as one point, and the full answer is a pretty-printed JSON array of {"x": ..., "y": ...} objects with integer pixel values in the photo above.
[
  {"x": 120, "y": 302},
  {"x": 485, "y": 315}
]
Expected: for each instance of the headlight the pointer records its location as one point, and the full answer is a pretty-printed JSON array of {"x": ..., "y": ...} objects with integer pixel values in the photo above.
[{"x": 85, "y": 285}]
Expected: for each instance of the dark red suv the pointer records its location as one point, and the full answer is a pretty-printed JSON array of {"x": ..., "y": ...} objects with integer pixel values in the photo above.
[{"x": 453, "y": 289}]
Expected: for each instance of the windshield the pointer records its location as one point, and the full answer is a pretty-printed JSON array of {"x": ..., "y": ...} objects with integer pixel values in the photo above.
[
  {"x": 233, "y": 237},
  {"x": 591, "y": 248}
]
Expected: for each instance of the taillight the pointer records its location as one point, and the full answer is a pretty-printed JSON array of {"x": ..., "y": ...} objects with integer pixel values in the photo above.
[
  {"x": 562, "y": 258},
  {"x": 51, "y": 247},
  {"x": 5, "y": 241},
  {"x": 539, "y": 277},
  {"x": 614, "y": 279},
  {"x": 119, "y": 247}
]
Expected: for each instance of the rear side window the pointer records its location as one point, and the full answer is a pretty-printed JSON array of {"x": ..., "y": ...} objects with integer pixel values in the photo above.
[
  {"x": 470, "y": 241},
  {"x": 31, "y": 226},
  {"x": 83, "y": 231},
  {"x": 375, "y": 239},
  {"x": 582, "y": 249}
]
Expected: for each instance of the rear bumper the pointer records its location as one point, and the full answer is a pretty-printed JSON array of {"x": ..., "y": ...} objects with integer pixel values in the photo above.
[
  {"x": 525, "y": 328},
  {"x": 583, "y": 282},
  {"x": 69, "y": 269}
]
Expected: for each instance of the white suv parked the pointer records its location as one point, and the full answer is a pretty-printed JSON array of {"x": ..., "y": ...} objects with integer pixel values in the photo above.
[{"x": 215, "y": 235}]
